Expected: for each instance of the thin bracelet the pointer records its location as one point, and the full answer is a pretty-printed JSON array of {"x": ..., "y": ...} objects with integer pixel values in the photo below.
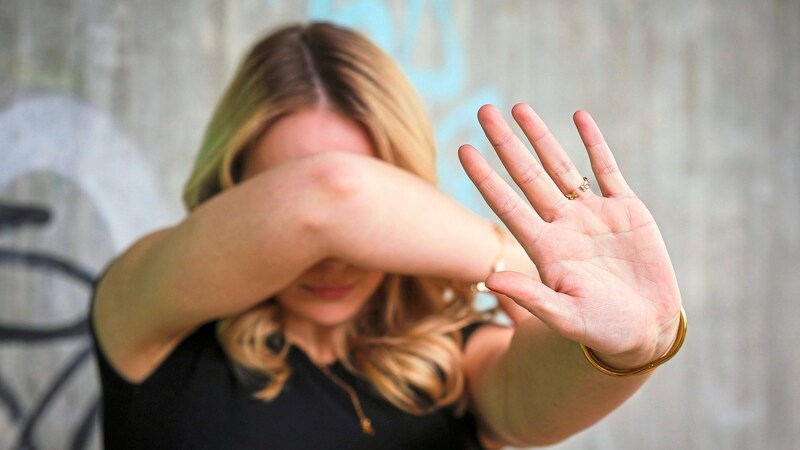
[
  {"x": 499, "y": 262},
  {"x": 592, "y": 358}
]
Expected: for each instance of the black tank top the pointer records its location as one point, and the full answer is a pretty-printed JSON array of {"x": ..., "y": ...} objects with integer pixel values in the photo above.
[{"x": 193, "y": 400}]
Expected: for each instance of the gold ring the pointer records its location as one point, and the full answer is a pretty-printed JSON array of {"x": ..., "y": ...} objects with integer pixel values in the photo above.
[{"x": 583, "y": 187}]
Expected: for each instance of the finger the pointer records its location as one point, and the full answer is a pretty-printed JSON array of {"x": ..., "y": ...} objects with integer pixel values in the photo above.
[
  {"x": 554, "y": 159},
  {"x": 553, "y": 308},
  {"x": 520, "y": 219},
  {"x": 603, "y": 163},
  {"x": 527, "y": 173},
  {"x": 514, "y": 312}
]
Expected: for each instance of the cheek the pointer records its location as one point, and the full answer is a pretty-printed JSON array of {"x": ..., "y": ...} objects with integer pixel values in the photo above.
[{"x": 374, "y": 280}]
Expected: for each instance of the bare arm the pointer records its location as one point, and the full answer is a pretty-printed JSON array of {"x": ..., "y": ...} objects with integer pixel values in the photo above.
[
  {"x": 249, "y": 242},
  {"x": 229, "y": 254},
  {"x": 605, "y": 281},
  {"x": 391, "y": 220},
  {"x": 531, "y": 386}
]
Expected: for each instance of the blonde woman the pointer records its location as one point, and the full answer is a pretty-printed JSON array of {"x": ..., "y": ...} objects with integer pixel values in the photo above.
[{"x": 319, "y": 292}]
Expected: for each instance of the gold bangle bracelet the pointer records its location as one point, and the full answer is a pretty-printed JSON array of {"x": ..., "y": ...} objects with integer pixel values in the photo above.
[{"x": 592, "y": 358}]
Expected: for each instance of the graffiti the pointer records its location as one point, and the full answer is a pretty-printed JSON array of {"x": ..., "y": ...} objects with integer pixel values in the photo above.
[
  {"x": 64, "y": 137},
  {"x": 443, "y": 86},
  {"x": 117, "y": 181},
  {"x": 12, "y": 216}
]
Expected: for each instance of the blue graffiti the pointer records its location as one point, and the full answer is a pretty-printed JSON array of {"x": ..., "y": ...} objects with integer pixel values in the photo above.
[
  {"x": 444, "y": 85},
  {"x": 446, "y": 82}
]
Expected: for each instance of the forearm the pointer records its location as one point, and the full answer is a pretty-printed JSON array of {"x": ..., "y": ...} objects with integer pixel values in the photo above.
[
  {"x": 388, "y": 219},
  {"x": 547, "y": 389},
  {"x": 233, "y": 251}
]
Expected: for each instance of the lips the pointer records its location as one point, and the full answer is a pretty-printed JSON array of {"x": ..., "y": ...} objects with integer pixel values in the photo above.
[{"x": 331, "y": 292}]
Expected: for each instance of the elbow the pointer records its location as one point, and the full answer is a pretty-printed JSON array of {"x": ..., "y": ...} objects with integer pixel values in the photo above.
[
  {"x": 334, "y": 174},
  {"x": 336, "y": 181}
]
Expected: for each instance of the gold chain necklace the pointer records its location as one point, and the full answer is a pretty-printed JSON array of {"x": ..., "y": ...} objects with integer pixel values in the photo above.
[{"x": 366, "y": 424}]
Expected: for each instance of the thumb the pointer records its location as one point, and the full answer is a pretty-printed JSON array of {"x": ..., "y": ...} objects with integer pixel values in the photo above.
[
  {"x": 514, "y": 312},
  {"x": 553, "y": 308}
]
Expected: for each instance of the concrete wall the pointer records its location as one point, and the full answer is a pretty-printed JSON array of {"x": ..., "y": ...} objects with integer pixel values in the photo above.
[{"x": 102, "y": 106}]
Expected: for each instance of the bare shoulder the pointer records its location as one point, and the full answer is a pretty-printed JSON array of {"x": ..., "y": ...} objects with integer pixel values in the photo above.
[
  {"x": 484, "y": 346},
  {"x": 229, "y": 254}
]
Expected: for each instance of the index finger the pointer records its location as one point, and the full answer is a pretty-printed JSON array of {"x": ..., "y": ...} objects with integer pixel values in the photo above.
[{"x": 521, "y": 220}]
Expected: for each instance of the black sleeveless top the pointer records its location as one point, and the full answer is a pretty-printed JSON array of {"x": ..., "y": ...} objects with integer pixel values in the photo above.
[{"x": 193, "y": 400}]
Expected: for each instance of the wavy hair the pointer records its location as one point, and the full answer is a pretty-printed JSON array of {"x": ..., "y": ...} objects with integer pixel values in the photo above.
[{"x": 405, "y": 341}]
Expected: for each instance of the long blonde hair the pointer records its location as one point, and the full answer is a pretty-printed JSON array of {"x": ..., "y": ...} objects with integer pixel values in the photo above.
[{"x": 406, "y": 340}]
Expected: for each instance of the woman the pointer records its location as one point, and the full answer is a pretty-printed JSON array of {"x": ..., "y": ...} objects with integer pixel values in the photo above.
[{"x": 318, "y": 293}]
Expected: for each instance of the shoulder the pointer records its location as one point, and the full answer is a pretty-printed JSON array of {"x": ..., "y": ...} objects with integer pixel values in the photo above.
[
  {"x": 178, "y": 360},
  {"x": 146, "y": 365},
  {"x": 468, "y": 330},
  {"x": 482, "y": 341}
]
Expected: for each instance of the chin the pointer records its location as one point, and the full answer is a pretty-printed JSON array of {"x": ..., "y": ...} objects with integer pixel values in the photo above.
[{"x": 324, "y": 313}]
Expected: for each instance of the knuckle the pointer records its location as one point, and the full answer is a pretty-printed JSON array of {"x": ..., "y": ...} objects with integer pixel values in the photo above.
[
  {"x": 600, "y": 147},
  {"x": 530, "y": 174},
  {"x": 608, "y": 168},
  {"x": 556, "y": 208},
  {"x": 483, "y": 180},
  {"x": 563, "y": 167},
  {"x": 504, "y": 141},
  {"x": 508, "y": 206},
  {"x": 538, "y": 139}
]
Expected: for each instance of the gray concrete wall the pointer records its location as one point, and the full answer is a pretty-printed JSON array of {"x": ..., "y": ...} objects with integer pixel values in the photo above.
[{"x": 102, "y": 106}]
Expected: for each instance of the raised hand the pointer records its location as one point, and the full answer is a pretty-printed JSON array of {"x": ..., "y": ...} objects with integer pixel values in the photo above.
[{"x": 606, "y": 277}]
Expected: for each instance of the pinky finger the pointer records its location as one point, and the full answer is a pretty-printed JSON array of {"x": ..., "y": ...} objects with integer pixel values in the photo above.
[{"x": 604, "y": 166}]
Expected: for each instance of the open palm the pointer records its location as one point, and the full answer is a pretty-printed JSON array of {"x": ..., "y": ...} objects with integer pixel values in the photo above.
[{"x": 606, "y": 277}]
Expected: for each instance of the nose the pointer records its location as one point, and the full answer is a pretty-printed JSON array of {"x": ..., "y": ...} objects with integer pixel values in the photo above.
[
  {"x": 331, "y": 271},
  {"x": 332, "y": 264}
]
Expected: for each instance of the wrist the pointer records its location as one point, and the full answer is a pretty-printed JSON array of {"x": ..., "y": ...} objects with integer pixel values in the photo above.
[
  {"x": 635, "y": 363},
  {"x": 627, "y": 360},
  {"x": 499, "y": 263}
]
